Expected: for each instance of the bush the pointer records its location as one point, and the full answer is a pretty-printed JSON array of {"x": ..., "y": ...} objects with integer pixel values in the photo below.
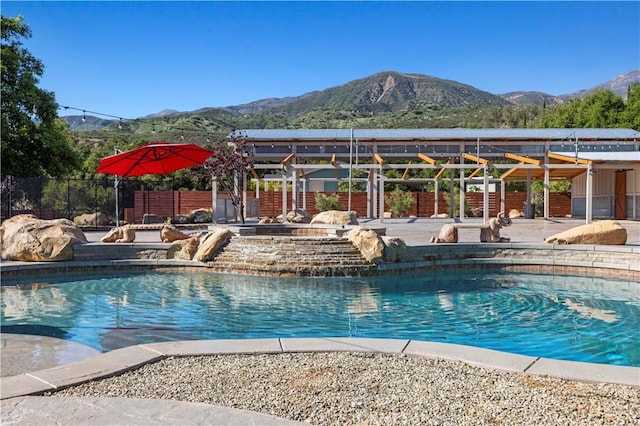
[
  {"x": 399, "y": 202},
  {"x": 327, "y": 202}
]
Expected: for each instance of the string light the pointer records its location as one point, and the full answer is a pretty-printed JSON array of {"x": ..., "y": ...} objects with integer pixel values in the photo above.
[{"x": 85, "y": 111}]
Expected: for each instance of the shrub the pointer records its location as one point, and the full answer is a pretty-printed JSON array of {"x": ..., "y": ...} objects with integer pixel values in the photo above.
[
  {"x": 399, "y": 202},
  {"x": 327, "y": 202}
]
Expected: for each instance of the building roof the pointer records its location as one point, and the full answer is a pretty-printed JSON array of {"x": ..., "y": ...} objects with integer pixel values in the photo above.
[{"x": 439, "y": 134}]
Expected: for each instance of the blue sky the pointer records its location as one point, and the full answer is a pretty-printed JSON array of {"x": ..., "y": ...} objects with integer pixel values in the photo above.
[{"x": 130, "y": 59}]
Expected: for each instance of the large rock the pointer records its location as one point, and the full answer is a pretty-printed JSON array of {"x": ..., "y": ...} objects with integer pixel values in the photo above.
[
  {"x": 448, "y": 234},
  {"x": 395, "y": 249},
  {"x": 170, "y": 233},
  {"x": 212, "y": 244},
  {"x": 92, "y": 219},
  {"x": 200, "y": 216},
  {"x": 368, "y": 242},
  {"x": 120, "y": 234},
  {"x": 335, "y": 217},
  {"x": 27, "y": 238},
  {"x": 606, "y": 232},
  {"x": 299, "y": 216},
  {"x": 184, "y": 249}
]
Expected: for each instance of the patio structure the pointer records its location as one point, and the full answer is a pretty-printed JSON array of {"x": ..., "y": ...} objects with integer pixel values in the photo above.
[{"x": 604, "y": 164}]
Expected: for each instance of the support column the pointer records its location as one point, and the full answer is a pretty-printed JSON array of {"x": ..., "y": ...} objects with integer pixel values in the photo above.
[
  {"x": 528, "y": 212},
  {"x": 462, "y": 189},
  {"x": 304, "y": 194},
  {"x": 284, "y": 195},
  {"x": 546, "y": 191},
  {"x": 589, "y": 198},
  {"x": 485, "y": 199},
  {"x": 294, "y": 188},
  {"x": 503, "y": 190},
  {"x": 435, "y": 201},
  {"x": 381, "y": 196},
  {"x": 214, "y": 198}
]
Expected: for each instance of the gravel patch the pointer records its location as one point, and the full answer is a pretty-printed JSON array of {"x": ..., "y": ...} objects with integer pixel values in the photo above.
[{"x": 373, "y": 389}]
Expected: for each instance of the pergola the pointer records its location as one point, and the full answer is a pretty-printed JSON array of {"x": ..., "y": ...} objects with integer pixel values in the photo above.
[{"x": 523, "y": 154}]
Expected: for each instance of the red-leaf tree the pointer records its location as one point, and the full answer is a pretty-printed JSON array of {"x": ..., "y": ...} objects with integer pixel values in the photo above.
[{"x": 229, "y": 165}]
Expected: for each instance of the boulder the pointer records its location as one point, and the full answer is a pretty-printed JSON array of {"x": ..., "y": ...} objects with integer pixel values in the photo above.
[
  {"x": 606, "y": 232},
  {"x": 120, "y": 234},
  {"x": 92, "y": 219},
  {"x": 395, "y": 249},
  {"x": 267, "y": 220},
  {"x": 27, "y": 238},
  {"x": 335, "y": 217},
  {"x": 368, "y": 242},
  {"x": 184, "y": 249},
  {"x": 513, "y": 213},
  {"x": 181, "y": 219},
  {"x": 299, "y": 216},
  {"x": 200, "y": 216},
  {"x": 448, "y": 234},
  {"x": 170, "y": 233},
  {"x": 440, "y": 216},
  {"x": 212, "y": 244}
]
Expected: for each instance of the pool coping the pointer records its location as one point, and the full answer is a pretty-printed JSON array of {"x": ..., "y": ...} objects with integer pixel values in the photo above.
[{"x": 118, "y": 361}]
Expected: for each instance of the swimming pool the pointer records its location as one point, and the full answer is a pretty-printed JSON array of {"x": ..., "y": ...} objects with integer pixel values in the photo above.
[{"x": 561, "y": 317}]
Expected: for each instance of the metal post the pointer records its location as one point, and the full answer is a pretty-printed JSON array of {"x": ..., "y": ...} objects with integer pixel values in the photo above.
[
  {"x": 485, "y": 200},
  {"x": 350, "y": 169},
  {"x": 589, "y": 200},
  {"x": 214, "y": 198},
  {"x": 284, "y": 194}
]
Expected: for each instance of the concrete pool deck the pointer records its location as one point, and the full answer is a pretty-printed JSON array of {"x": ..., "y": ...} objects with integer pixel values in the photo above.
[{"x": 16, "y": 408}]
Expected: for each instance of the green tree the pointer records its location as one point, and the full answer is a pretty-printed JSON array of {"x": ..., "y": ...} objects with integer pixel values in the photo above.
[
  {"x": 34, "y": 141},
  {"x": 630, "y": 117}
]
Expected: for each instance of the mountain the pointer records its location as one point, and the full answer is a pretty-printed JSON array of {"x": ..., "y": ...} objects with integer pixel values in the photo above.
[
  {"x": 532, "y": 98},
  {"x": 256, "y": 107},
  {"x": 391, "y": 91},
  {"x": 163, "y": 113},
  {"x": 86, "y": 122},
  {"x": 618, "y": 85}
]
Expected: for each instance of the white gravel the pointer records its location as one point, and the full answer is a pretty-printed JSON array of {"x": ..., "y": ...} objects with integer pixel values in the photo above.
[{"x": 373, "y": 389}]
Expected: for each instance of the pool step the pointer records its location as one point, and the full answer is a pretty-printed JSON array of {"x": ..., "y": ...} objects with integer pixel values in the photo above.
[{"x": 291, "y": 256}]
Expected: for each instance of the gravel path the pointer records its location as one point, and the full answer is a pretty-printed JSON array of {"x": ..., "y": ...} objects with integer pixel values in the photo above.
[{"x": 373, "y": 389}]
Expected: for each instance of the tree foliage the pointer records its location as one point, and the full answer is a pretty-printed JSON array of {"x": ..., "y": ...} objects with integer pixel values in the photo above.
[
  {"x": 600, "y": 109},
  {"x": 34, "y": 140},
  {"x": 229, "y": 165}
]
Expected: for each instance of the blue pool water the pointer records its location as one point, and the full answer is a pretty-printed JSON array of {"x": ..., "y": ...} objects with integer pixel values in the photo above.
[{"x": 562, "y": 317}]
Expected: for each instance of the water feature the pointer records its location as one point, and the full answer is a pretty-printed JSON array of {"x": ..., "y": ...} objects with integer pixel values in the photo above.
[{"x": 562, "y": 317}]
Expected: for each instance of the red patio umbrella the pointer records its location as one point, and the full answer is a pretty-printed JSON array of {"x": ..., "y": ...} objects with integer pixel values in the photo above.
[{"x": 155, "y": 158}]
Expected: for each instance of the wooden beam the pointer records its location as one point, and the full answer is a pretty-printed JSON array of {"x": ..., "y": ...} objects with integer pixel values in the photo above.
[
  {"x": 406, "y": 171},
  {"x": 333, "y": 159},
  {"x": 475, "y": 172},
  {"x": 288, "y": 158},
  {"x": 378, "y": 158},
  {"x": 426, "y": 158},
  {"x": 521, "y": 159},
  {"x": 442, "y": 170},
  {"x": 254, "y": 174},
  {"x": 510, "y": 171},
  {"x": 475, "y": 159},
  {"x": 568, "y": 159}
]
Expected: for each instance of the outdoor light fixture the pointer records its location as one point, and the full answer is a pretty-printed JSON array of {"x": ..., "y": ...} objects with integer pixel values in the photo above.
[
  {"x": 120, "y": 124},
  {"x": 84, "y": 116}
]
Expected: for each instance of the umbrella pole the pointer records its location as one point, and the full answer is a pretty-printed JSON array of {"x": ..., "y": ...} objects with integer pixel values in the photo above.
[{"x": 116, "y": 186}]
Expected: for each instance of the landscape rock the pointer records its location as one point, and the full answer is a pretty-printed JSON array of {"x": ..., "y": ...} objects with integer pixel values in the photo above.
[
  {"x": 212, "y": 244},
  {"x": 368, "y": 242},
  {"x": 299, "y": 216},
  {"x": 120, "y": 234},
  {"x": 181, "y": 219},
  {"x": 448, "y": 234},
  {"x": 335, "y": 217},
  {"x": 184, "y": 249},
  {"x": 513, "y": 213},
  {"x": 606, "y": 232},
  {"x": 92, "y": 219},
  {"x": 267, "y": 220},
  {"x": 440, "y": 216},
  {"x": 201, "y": 216},
  {"x": 27, "y": 238},
  {"x": 170, "y": 233},
  {"x": 395, "y": 249}
]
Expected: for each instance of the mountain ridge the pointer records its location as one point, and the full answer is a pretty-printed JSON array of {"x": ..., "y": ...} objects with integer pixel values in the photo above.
[{"x": 386, "y": 91}]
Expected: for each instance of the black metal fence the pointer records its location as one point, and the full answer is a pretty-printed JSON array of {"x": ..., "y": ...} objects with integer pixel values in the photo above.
[{"x": 49, "y": 198}]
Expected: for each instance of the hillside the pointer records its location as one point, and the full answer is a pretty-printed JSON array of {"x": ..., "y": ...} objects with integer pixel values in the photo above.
[
  {"x": 392, "y": 92},
  {"x": 618, "y": 85}
]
